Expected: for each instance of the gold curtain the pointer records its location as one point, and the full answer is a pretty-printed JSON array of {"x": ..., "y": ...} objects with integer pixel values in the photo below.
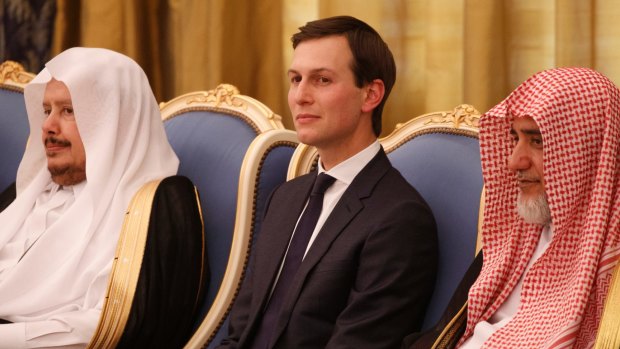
[
  {"x": 447, "y": 51},
  {"x": 185, "y": 45}
]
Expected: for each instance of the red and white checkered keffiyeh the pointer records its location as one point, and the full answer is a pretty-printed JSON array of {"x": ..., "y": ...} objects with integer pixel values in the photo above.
[{"x": 577, "y": 111}]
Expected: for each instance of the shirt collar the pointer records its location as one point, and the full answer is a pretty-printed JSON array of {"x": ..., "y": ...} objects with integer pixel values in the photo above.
[
  {"x": 348, "y": 169},
  {"x": 77, "y": 188},
  {"x": 54, "y": 187}
]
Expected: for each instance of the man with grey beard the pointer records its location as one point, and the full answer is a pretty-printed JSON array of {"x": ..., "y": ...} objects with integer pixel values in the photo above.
[
  {"x": 550, "y": 233},
  {"x": 527, "y": 163}
]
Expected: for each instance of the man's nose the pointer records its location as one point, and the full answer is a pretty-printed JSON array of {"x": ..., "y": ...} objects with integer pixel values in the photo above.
[
  {"x": 519, "y": 159},
  {"x": 50, "y": 124},
  {"x": 303, "y": 93}
]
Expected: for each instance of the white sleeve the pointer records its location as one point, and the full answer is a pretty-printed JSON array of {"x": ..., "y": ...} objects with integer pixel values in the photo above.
[
  {"x": 69, "y": 330},
  {"x": 13, "y": 336}
]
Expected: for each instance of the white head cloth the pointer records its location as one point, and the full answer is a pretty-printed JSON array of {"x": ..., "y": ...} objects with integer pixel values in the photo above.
[
  {"x": 66, "y": 271},
  {"x": 578, "y": 113}
]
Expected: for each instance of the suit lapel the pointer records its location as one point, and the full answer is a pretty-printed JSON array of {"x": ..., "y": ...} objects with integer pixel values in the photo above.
[
  {"x": 347, "y": 208},
  {"x": 274, "y": 246}
]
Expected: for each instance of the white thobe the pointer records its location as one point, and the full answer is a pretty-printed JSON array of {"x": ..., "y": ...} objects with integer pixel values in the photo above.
[{"x": 49, "y": 206}]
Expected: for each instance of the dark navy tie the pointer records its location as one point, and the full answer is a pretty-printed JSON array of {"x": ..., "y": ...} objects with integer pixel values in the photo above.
[{"x": 294, "y": 256}]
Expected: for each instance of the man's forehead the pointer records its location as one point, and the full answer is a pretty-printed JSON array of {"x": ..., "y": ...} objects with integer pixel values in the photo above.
[
  {"x": 57, "y": 92},
  {"x": 525, "y": 124},
  {"x": 329, "y": 52}
]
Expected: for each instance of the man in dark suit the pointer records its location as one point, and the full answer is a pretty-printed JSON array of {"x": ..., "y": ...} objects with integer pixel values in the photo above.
[{"x": 361, "y": 274}]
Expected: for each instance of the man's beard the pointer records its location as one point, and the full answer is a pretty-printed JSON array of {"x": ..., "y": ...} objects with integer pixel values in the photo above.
[
  {"x": 535, "y": 210},
  {"x": 68, "y": 174}
]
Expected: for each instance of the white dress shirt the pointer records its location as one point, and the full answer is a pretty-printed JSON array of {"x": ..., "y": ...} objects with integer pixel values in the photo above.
[{"x": 344, "y": 173}]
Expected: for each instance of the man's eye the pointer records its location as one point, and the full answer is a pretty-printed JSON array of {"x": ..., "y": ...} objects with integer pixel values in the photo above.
[
  {"x": 323, "y": 80},
  {"x": 47, "y": 112},
  {"x": 67, "y": 113},
  {"x": 295, "y": 79}
]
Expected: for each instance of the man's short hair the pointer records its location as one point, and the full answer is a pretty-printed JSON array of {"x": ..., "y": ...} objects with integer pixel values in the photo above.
[{"x": 372, "y": 59}]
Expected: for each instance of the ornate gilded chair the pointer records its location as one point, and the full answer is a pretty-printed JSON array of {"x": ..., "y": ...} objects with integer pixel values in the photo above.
[
  {"x": 438, "y": 154},
  {"x": 235, "y": 150},
  {"x": 14, "y": 127}
]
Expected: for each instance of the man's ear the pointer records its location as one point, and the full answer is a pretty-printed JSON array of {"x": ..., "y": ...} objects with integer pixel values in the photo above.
[{"x": 373, "y": 95}]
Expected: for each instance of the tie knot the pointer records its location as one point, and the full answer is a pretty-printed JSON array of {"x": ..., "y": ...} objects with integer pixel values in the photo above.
[{"x": 322, "y": 182}]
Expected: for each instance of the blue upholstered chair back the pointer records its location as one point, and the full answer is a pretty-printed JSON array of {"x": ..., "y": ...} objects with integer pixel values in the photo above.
[
  {"x": 235, "y": 150},
  {"x": 264, "y": 168},
  {"x": 14, "y": 129},
  {"x": 439, "y": 155}
]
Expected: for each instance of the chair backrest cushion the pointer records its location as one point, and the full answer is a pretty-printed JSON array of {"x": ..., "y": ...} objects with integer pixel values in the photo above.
[
  {"x": 270, "y": 174},
  {"x": 445, "y": 169},
  {"x": 14, "y": 131},
  {"x": 211, "y": 147}
]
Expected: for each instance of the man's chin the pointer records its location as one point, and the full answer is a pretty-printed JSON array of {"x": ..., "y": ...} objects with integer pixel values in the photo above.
[
  {"x": 309, "y": 138},
  {"x": 534, "y": 208},
  {"x": 67, "y": 175}
]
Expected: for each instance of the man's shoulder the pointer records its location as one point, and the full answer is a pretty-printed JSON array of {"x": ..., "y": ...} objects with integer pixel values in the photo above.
[
  {"x": 175, "y": 189},
  {"x": 176, "y": 181},
  {"x": 393, "y": 194},
  {"x": 380, "y": 176},
  {"x": 394, "y": 181},
  {"x": 298, "y": 181}
]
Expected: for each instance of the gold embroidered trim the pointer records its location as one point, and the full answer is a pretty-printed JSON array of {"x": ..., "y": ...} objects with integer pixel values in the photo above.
[
  {"x": 447, "y": 336},
  {"x": 125, "y": 269}
]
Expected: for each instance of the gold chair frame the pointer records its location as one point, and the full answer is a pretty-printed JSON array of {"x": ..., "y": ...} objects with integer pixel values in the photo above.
[{"x": 227, "y": 99}]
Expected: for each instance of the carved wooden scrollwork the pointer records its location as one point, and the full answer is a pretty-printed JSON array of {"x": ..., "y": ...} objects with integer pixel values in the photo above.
[
  {"x": 11, "y": 71},
  {"x": 463, "y": 113},
  {"x": 223, "y": 93}
]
